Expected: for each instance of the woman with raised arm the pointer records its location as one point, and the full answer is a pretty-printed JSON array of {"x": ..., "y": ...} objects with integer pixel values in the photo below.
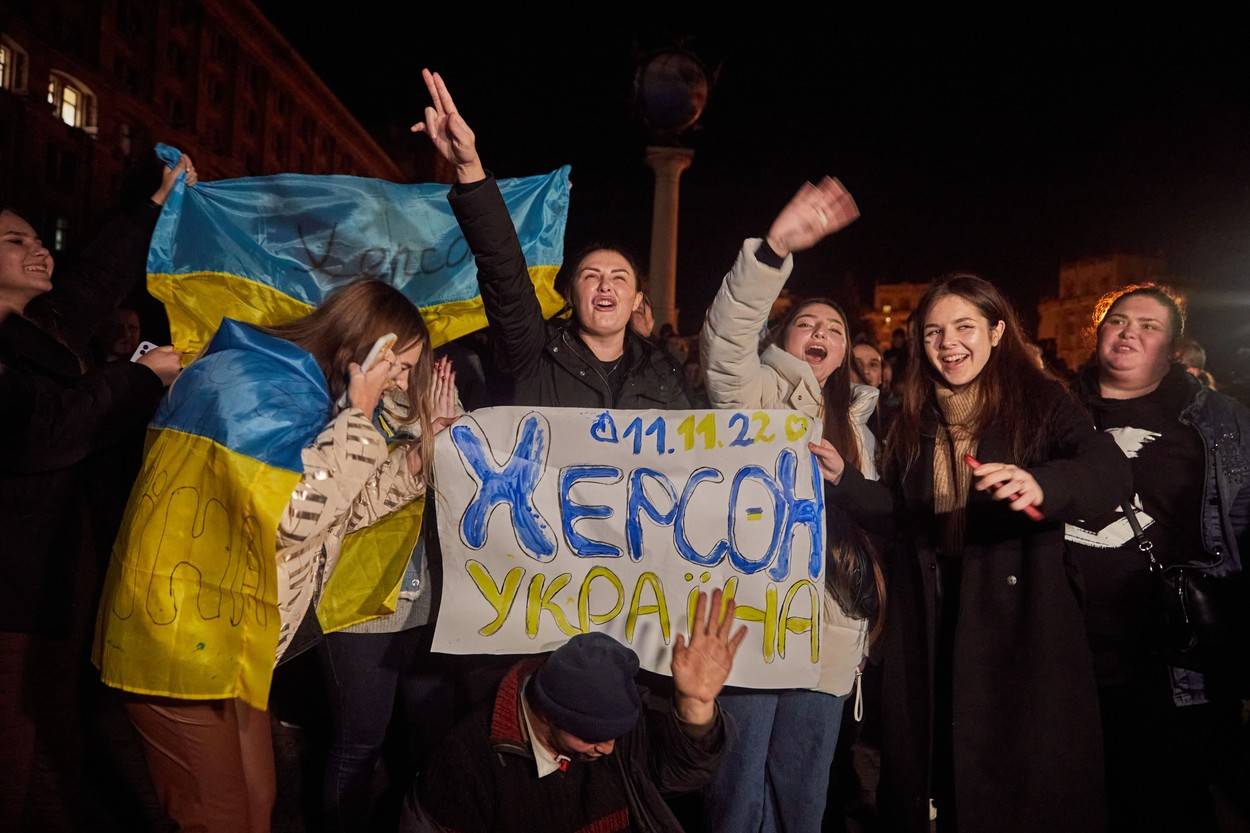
[
  {"x": 776, "y": 771},
  {"x": 989, "y": 706},
  {"x": 594, "y": 361}
]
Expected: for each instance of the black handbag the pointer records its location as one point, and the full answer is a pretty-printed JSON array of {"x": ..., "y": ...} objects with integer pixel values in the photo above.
[{"x": 1202, "y": 620}]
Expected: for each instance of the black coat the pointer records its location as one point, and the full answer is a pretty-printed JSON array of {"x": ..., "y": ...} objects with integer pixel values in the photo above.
[
  {"x": 547, "y": 364},
  {"x": 1026, "y": 733},
  {"x": 53, "y": 416}
]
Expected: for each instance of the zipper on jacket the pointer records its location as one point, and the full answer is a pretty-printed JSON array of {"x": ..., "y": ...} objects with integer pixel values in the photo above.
[{"x": 564, "y": 335}]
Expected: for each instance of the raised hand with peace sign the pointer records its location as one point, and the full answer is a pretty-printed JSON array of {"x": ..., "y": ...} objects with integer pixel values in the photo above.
[{"x": 449, "y": 131}]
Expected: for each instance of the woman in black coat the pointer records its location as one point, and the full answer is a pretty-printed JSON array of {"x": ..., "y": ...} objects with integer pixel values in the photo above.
[
  {"x": 54, "y": 414},
  {"x": 989, "y": 705}
]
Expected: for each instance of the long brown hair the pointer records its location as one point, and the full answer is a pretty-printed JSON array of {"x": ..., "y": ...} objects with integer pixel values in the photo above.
[
  {"x": 849, "y": 547},
  {"x": 344, "y": 328},
  {"x": 836, "y": 390},
  {"x": 1008, "y": 384}
]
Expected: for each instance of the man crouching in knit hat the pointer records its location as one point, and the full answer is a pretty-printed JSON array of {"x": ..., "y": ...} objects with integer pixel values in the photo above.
[{"x": 571, "y": 743}]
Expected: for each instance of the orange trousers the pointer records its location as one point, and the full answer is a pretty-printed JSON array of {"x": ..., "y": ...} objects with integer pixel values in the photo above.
[{"x": 211, "y": 762}]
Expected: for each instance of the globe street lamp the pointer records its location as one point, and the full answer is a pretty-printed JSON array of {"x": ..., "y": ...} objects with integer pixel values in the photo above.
[{"x": 671, "y": 90}]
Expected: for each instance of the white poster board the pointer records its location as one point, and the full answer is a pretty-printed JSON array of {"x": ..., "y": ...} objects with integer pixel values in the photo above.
[{"x": 557, "y": 521}]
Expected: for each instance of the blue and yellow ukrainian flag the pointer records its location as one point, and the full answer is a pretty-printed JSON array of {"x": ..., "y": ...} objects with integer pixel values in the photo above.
[
  {"x": 190, "y": 603},
  {"x": 265, "y": 250}
]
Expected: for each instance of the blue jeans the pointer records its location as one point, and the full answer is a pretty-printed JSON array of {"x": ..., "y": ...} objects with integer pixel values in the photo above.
[
  {"x": 368, "y": 675},
  {"x": 775, "y": 771}
]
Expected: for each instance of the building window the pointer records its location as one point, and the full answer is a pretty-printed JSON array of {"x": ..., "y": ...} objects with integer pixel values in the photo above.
[
  {"x": 60, "y": 234},
  {"x": 71, "y": 102},
  {"x": 12, "y": 66},
  {"x": 71, "y": 105}
]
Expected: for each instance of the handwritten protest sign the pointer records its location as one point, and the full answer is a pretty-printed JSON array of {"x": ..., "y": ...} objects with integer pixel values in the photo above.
[{"x": 558, "y": 521}]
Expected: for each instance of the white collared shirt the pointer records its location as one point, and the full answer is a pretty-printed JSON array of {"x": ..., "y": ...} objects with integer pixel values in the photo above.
[{"x": 546, "y": 762}]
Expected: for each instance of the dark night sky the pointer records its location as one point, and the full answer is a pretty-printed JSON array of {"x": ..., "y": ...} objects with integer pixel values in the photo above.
[{"x": 969, "y": 151}]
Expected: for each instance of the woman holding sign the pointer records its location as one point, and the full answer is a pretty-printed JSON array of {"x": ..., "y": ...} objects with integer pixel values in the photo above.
[
  {"x": 790, "y": 736},
  {"x": 989, "y": 705},
  {"x": 274, "y": 452}
]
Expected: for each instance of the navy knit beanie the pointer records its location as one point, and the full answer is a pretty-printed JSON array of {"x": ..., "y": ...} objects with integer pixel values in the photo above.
[{"x": 586, "y": 687}]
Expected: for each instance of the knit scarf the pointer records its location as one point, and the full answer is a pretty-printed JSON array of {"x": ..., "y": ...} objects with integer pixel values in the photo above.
[{"x": 951, "y": 476}]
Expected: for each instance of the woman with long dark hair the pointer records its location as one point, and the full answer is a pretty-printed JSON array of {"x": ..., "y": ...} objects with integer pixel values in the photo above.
[
  {"x": 989, "y": 705},
  {"x": 775, "y": 772},
  {"x": 1170, "y": 720}
]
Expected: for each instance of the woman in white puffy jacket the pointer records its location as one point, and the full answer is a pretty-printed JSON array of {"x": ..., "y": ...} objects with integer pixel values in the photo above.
[{"x": 789, "y": 736}]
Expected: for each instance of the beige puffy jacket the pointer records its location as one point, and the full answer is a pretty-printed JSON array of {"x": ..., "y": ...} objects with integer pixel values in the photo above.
[
  {"x": 350, "y": 481},
  {"x": 739, "y": 375}
]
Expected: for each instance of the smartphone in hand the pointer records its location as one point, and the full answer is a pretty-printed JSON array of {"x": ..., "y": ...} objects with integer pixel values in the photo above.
[
  {"x": 142, "y": 350},
  {"x": 377, "y": 351}
]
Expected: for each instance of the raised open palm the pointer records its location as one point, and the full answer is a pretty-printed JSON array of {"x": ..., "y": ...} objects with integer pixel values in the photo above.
[{"x": 701, "y": 666}]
